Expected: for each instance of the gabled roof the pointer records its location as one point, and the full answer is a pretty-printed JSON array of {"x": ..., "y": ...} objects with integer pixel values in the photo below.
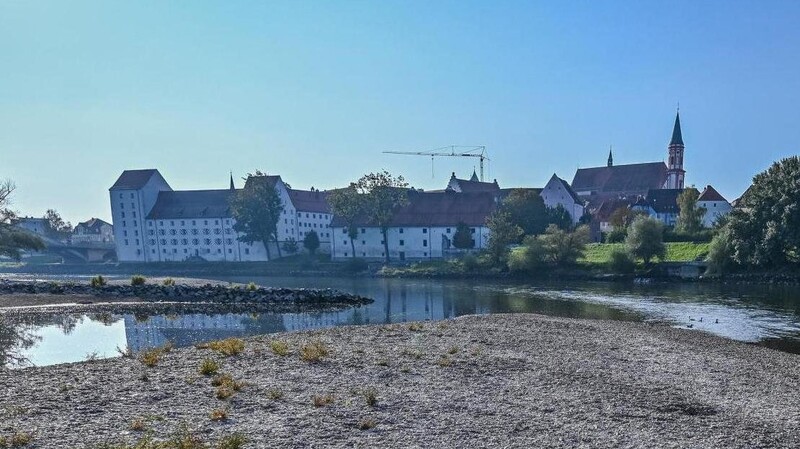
[
  {"x": 310, "y": 201},
  {"x": 569, "y": 190},
  {"x": 439, "y": 209},
  {"x": 93, "y": 224},
  {"x": 629, "y": 179},
  {"x": 468, "y": 186},
  {"x": 711, "y": 194},
  {"x": 677, "y": 137},
  {"x": 664, "y": 201},
  {"x": 134, "y": 179},
  {"x": 271, "y": 180},
  {"x": 192, "y": 204}
]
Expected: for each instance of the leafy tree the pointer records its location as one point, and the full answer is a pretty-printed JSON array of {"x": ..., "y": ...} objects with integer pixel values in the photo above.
[
  {"x": 720, "y": 252},
  {"x": 13, "y": 240},
  {"x": 57, "y": 227},
  {"x": 765, "y": 232},
  {"x": 311, "y": 242},
  {"x": 348, "y": 205},
  {"x": 529, "y": 257},
  {"x": 526, "y": 209},
  {"x": 290, "y": 245},
  {"x": 621, "y": 262},
  {"x": 563, "y": 247},
  {"x": 502, "y": 233},
  {"x": 257, "y": 208},
  {"x": 646, "y": 239},
  {"x": 383, "y": 194},
  {"x": 622, "y": 217},
  {"x": 560, "y": 217},
  {"x": 690, "y": 218},
  {"x": 462, "y": 238}
]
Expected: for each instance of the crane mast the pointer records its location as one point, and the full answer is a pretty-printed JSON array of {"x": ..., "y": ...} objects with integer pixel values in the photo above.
[{"x": 454, "y": 151}]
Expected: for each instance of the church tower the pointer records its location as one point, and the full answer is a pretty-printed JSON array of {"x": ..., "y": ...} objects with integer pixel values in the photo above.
[{"x": 675, "y": 171}]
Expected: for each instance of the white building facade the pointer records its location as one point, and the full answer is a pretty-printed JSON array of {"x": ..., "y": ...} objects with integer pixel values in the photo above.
[
  {"x": 93, "y": 231},
  {"x": 716, "y": 206},
  {"x": 557, "y": 192}
]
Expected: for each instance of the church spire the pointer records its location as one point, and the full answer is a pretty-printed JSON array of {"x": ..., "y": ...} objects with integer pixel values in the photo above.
[
  {"x": 474, "y": 176},
  {"x": 610, "y": 158},
  {"x": 233, "y": 187},
  {"x": 677, "y": 137}
]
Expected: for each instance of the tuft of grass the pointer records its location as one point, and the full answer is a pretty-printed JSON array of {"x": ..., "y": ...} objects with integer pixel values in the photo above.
[
  {"x": 92, "y": 356},
  {"x": 168, "y": 282},
  {"x": 219, "y": 414},
  {"x": 97, "y": 281},
  {"x": 252, "y": 287},
  {"x": 453, "y": 350},
  {"x": 322, "y": 400},
  {"x": 412, "y": 353},
  {"x": 150, "y": 357},
  {"x": 235, "y": 441},
  {"x": 138, "y": 425},
  {"x": 279, "y": 347},
  {"x": 138, "y": 280},
  {"x": 371, "y": 396},
  {"x": 208, "y": 367},
  {"x": 275, "y": 394},
  {"x": 415, "y": 327},
  {"x": 382, "y": 362},
  {"x": 126, "y": 353},
  {"x": 226, "y": 385},
  {"x": 314, "y": 351},
  {"x": 444, "y": 361},
  {"x": 228, "y": 346},
  {"x": 367, "y": 423},
  {"x": 19, "y": 439}
]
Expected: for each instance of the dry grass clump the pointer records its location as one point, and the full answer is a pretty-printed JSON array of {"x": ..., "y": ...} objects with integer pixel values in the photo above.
[
  {"x": 279, "y": 347},
  {"x": 226, "y": 385},
  {"x": 452, "y": 350},
  {"x": 228, "y": 346},
  {"x": 208, "y": 367},
  {"x": 98, "y": 281},
  {"x": 138, "y": 280},
  {"x": 252, "y": 286},
  {"x": 151, "y": 357},
  {"x": 416, "y": 327},
  {"x": 18, "y": 439},
  {"x": 322, "y": 400},
  {"x": 181, "y": 439},
  {"x": 314, "y": 351},
  {"x": 275, "y": 394},
  {"x": 371, "y": 396},
  {"x": 444, "y": 361},
  {"x": 168, "y": 282},
  {"x": 219, "y": 414},
  {"x": 367, "y": 423},
  {"x": 137, "y": 425}
]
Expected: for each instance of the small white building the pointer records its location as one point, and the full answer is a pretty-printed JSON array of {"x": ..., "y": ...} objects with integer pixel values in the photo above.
[
  {"x": 716, "y": 206},
  {"x": 93, "y": 231},
  {"x": 557, "y": 192},
  {"x": 313, "y": 214},
  {"x": 424, "y": 229}
]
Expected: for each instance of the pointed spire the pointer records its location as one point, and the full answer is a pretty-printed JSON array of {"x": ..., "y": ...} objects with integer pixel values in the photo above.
[
  {"x": 233, "y": 187},
  {"x": 610, "y": 158},
  {"x": 474, "y": 176},
  {"x": 677, "y": 137}
]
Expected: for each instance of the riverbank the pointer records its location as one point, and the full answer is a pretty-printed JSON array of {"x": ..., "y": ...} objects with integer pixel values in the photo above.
[{"x": 502, "y": 380}]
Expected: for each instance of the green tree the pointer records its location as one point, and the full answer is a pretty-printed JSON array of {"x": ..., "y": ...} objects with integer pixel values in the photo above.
[
  {"x": 311, "y": 242},
  {"x": 502, "y": 233},
  {"x": 560, "y": 217},
  {"x": 690, "y": 217},
  {"x": 348, "y": 205},
  {"x": 765, "y": 231},
  {"x": 526, "y": 209},
  {"x": 383, "y": 194},
  {"x": 13, "y": 240},
  {"x": 257, "y": 208},
  {"x": 462, "y": 238},
  {"x": 563, "y": 247},
  {"x": 645, "y": 239},
  {"x": 290, "y": 245},
  {"x": 720, "y": 252},
  {"x": 57, "y": 227}
]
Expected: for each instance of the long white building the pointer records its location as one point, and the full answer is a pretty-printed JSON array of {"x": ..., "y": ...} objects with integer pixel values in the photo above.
[{"x": 154, "y": 223}]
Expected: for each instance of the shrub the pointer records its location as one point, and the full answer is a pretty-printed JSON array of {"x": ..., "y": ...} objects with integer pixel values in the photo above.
[
  {"x": 219, "y": 414},
  {"x": 321, "y": 401},
  {"x": 470, "y": 262},
  {"x": 311, "y": 242},
  {"x": 314, "y": 351},
  {"x": 646, "y": 239},
  {"x": 621, "y": 262},
  {"x": 98, "y": 281},
  {"x": 279, "y": 347},
  {"x": 444, "y": 361},
  {"x": 252, "y": 286},
  {"x": 208, "y": 367},
  {"x": 138, "y": 280},
  {"x": 18, "y": 439},
  {"x": 150, "y": 357},
  {"x": 138, "y": 425},
  {"x": 416, "y": 327},
  {"x": 168, "y": 282},
  {"x": 290, "y": 245},
  {"x": 367, "y": 423},
  {"x": 617, "y": 235},
  {"x": 528, "y": 257}
]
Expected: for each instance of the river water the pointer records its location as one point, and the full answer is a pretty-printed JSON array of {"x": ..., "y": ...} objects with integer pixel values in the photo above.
[{"x": 765, "y": 315}]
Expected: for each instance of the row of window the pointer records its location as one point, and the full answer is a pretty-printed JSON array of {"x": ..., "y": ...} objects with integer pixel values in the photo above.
[
  {"x": 195, "y": 242},
  {"x": 194, "y": 231},
  {"x": 183, "y": 222},
  {"x": 400, "y": 242},
  {"x": 401, "y": 230}
]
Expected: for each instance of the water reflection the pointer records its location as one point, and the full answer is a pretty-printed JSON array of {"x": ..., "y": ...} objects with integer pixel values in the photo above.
[{"x": 770, "y": 315}]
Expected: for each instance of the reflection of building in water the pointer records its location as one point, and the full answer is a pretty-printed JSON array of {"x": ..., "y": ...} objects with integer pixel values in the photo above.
[{"x": 185, "y": 330}]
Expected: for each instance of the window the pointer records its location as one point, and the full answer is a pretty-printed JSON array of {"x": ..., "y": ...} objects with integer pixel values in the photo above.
[
  {"x": 205, "y": 231},
  {"x": 123, "y": 223},
  {"x": 363, "y": 242},
  {"x": 136, "y": 233},
  {"x": 163, "y": 241},
  {"x": 216, "y": 222},
  {"x": 448, "y": 230},
  {"x": 133, "y": 205},
  {"x": 207, "y": 241},
  {"x": 183, "y": 231},
  {"x": 205, "y": 222},
  {"x": 195, "y": 242},
  {"x": 152, "y": 241},
  {"x": 194, "y": 222},
  {"x": 161, "y": 232},
  {"x": 345, "y": 254},
  {"x": 120, "y": 195},
  {"x": 172, "y": 232},
  {"x": 344, "y": 231},
  {"x": 174, "y": 241},
  {"x": 401, "y": 230},
  {"x": 424, "y": 230},
  {"x": 126, "y": 242},
  {"x": 131, "y": 195},
  {"x": 425, "y": 242},
  {"x": 472, "y": 230},
  {"x": 229, "y": 241},
  {"x": 172, "y": 223},
  {"x": 218, "y": 241},
  {"x": 124, "y": 233},
  {"x": 174, "y": 251},
  {"x": 185, "y": 251},
  {"x": 194, "y": 231},
  {"x": 313, "y": 215},
  {"x": 122, "y": 205},
  {"x": 134, "y": 214},
  {"x": 247, "y": 250},
  {"x": 137, "y": 241},
  {"x": 184, "y": 241},
  {"x": 344, "y": 242},
  {"x": 230, "y": 251},
  {"x": 183, "y": 223},
  {"x": 123, "y": 214},
  {"x": 216, "y": 231}
]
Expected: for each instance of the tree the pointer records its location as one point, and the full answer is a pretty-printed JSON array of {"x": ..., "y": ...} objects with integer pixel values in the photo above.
[
  {"x": 502, "y": 233},
  {"x": 645, "y": 239},
  {"x": 690, "y": 217},
  {"x": 290, "y": 245},
  {"x": 563, "y": 247},
  {"x": 526, "y": 209},
  {"x": 348, "y": 206},
  {"x": 560, "y": 217},
  {"x": 622, "y": 217},
  {"x": 383, "y": 195},
  {"x": 462, "y": 238},
  {"x": 257, "y": 208},
  {"x": 311, "y": 242},
  {"x": 14, "y": 340},
  {"x": 720, "y": 252},
  {"x": 13, "y": 240},
  {"x": 765, "y": 231},
  {"x": 57, "y": 227}
]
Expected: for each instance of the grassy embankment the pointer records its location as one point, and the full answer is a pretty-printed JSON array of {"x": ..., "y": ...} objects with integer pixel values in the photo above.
[{"x": 600, "y": 253}]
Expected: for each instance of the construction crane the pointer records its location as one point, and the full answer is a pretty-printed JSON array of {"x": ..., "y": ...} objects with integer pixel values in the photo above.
[{"x": 455, "y": 151}]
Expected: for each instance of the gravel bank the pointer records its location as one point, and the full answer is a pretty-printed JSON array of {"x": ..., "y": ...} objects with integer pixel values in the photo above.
[{"x": 479, "y": 381}]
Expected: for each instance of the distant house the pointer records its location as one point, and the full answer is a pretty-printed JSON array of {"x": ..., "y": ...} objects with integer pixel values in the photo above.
[
  {"x": 602, "y": 214},
  {"x": 423, "y": 229},
  {"x": 472, "y": 185},
  {"x": 38, "y": 226},
  {"x": 557, "y": 192},
  {"x": 661, "y": 204},
  {"x": 716, "y": 206},
  {"x": 313, "y": 214},
  {"x": 94, "y": 230}
]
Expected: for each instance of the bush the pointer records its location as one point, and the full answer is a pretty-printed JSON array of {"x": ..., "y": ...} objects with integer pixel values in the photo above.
[
  {"x": 138, "y": 280},
  {"x": 168, "y": 282},
  {"x": 355, "y": 265},
  {"x": 616, "y": 235},
  {"x": 290, "y": 246},
  {"x": 314, "y": 351},
  {"x": 98, "y": 281},
  {"x": 527, "y": 258},
  {"x": 311, "y": 242},
  {"x": 279, "y": 347},
  {"x": 720, "y": 253},
  {"x": 252, "y": 286},
  {"x": 646, "y": 239},
  {"x": 622, "y": 262},
  {"x": 208, "y": 367}
]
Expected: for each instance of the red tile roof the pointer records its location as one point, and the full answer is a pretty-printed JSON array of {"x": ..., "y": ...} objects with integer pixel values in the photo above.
[{"x": 711, "y": 194}]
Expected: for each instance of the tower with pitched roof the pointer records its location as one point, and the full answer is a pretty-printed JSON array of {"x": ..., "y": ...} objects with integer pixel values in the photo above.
[{"x": 675, "y": 171}]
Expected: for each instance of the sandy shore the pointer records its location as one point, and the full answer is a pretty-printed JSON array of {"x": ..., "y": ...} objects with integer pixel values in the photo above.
[{"x": 489, "y": 381}]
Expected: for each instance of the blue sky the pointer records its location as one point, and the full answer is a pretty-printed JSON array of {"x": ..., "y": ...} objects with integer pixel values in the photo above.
[{"x": 314, "y": 91}]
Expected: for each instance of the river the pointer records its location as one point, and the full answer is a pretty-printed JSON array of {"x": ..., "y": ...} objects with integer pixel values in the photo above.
[{"x": 759, "y": 314}]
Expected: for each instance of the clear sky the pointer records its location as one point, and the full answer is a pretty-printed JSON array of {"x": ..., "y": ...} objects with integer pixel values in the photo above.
[{"x": 314, "y": 91}]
